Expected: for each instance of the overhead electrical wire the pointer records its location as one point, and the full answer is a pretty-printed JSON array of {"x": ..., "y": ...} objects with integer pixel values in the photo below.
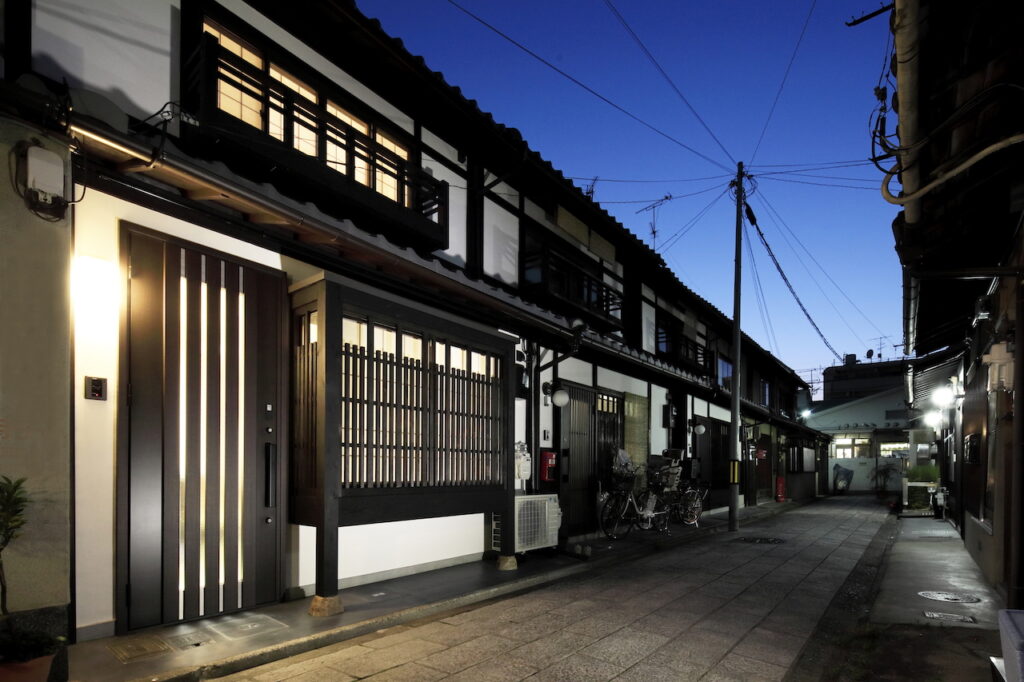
[
  {"x": 809, "y": 163},
  {"x": 814, "y": 279},
  {"x": 773, "y": 210},
  {"x": 667, "y": 78},
  {"x": 681, "y": 232},
  {"x": 600, "y": 179},
  {"x": 588, "y": 88},
  {"x": 762, "y": 305},
  {"x": 785, "y": 75},
  {"x": 819, "y": 184},
  {"x": 789, "y": 285},
  {"x": 668, "y": 197}
]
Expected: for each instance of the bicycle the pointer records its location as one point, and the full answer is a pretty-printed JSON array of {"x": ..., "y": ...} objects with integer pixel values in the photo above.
[
  {"x": 623, "y": 510},
  {"x": 689, "y": 505}
]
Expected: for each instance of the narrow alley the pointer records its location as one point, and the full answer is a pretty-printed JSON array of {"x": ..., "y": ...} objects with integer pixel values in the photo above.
[{"x": 728, "y": 606}]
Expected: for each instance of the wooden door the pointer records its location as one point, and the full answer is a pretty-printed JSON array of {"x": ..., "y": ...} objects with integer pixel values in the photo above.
[{"x": 198, "y": 445}]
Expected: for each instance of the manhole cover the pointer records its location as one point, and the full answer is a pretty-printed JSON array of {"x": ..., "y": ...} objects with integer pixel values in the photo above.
[
  {"x": 761, "y": 541},
  {"x": 134, "y": 648},
  {"x": 953, "y": 597},
  {"x": 952, "y": 617},
  {"x": 248, "y": 626},
  {"x": 190, "y": 640}
]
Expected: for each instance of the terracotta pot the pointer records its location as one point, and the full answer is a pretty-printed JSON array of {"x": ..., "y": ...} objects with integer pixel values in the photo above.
[{"x": 36, "y": 670}]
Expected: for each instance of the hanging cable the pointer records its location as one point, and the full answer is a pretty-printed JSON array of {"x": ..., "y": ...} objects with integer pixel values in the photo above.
[
  {"x": 587, "y": 87},
  {"x": 782, "y": 273},
  {"x": 815, "y": 279},
  {"x": 681, "y": 232},
  {"x": 650, "y": 57},
  {"x": 785, "y": 75},
  {"x": 814, "y": 260},
  {"x": 762, "y": 304},
  {"x": 710, "y": 177},
  {"x": 818, "y": 184}
]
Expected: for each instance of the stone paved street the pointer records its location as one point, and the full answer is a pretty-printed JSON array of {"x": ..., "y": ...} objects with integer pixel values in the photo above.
[{"x": 721, "y": 608}]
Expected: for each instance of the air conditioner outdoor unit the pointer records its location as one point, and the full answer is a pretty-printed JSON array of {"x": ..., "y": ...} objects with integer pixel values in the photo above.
[{"x": 537, "y": 520}]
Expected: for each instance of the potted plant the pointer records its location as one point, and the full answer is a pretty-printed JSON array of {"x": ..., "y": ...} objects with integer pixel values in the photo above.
[{"x": 25, "y": 655}]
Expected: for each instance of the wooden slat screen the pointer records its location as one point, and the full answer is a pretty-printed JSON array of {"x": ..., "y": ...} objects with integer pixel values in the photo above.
[{"x": 411, "y": 418}]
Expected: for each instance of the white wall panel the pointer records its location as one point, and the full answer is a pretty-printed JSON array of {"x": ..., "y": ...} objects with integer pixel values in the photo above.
[
  {"x": 456, "y": 250},
  {"x": 659, "y": 434},
  {"x": 125, "y": 49},
  {"x": 501, "y": 243}
]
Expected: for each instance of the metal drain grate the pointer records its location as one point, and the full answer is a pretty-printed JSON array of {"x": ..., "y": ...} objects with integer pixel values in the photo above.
[
  {"x": 951, "y": 597},
  {"x": 761, "y": 541},
  {"x": 951, "y": 617},
  {"x": 249, "y": 626},
  {"x": 190, "y": 640},
  {"x": 134, "y": 648}
]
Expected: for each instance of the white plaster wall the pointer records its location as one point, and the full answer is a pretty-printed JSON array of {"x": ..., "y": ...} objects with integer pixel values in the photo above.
[
  {"x": 389, "y": 547},
  {"x": 659, "y": 434},
  {"x": 97, "y": 300},
  {"x": 577, "y": 371},
  {"x": 124, "y": 49},
  {"x": 501, "y": 243},
  {"x": 649, "y": 330},
  {"x": 456, "y": 250},
  {"x": 615, "y": 381},
  {"x": 719, "y": 413},
  {"x": 862, "y": 468}
]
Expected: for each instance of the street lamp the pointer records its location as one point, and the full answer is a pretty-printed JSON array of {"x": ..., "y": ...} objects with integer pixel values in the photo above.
[{"x": 933, "y": 418}]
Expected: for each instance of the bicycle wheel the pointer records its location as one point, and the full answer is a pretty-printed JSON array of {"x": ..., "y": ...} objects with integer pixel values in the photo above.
[
  {"x": 613, "y": 515},
  {"x": 692, "y": 506},
  {"x": 652, "y": 516}
]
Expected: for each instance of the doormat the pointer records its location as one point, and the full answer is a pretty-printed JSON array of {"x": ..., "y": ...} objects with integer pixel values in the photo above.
[
  {"x": 240, "y": 627},
  {"x": 190, "y": 640},
  {"x": 135, "y": 648}
]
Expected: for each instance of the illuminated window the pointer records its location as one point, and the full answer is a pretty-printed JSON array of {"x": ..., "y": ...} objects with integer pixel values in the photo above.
[
  {"x": 337, "y": 139},
  {"x": 389, "y": 169},
  {"x": 237, "y": 94},
  {"x": 304, "y": 123}
]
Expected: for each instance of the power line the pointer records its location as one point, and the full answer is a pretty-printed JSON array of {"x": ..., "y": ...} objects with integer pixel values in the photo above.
[
  {"x": 821, "y": 184},
  {"x": 587, "y": 87},
  {"x": 665, "y": 75},
  {"x": 681, "y": 232},
  {"x": 778, "y": 215},
  {"x": 813, "y": 278},
  {"x": 789, "y": 285},
  {"x": 762, "y": 304},
  {"x": 785, "y": 75},
  {"x": 802, "y": 174},
  {"x": 667, "y": 197},
  {"x": 812, "y": 163},
  {"x": 808, "y": 169},
  {"x": 591, "y": 178}
]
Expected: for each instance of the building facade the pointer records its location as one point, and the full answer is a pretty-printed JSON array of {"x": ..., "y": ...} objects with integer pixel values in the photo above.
[
  {"x": 958, "y": 154},
  {"x": 304, "y": 299}
]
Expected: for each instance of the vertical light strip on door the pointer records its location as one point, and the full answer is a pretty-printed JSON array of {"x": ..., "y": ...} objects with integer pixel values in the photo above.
[
  {"x": 182, "y": 427},
  {"x": 222, "y": 448},
  {"x": 241, "y": 427},
  {"x": 204, "y": 331}
]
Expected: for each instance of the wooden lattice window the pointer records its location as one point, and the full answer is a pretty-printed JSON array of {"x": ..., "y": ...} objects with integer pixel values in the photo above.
[{"x": 417, "y": 409}]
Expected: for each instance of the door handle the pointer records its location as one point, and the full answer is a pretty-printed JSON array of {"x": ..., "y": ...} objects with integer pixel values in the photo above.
[{"x": 269, "y": 475}]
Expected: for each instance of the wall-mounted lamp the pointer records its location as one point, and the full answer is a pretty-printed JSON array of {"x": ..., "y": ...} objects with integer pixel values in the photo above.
[
  {"x": 577, "y": 326},
  {"x": 933, "y": 418},
  {"x": 805, "y": 414},
  {"x": 559, "y": 396},
  {"x": 698, "y": 429},
  {"x": 944, "y": 396}
]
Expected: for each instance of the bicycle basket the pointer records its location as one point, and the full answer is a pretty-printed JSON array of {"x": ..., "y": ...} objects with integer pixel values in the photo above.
[{"x": 623, "y": 479}]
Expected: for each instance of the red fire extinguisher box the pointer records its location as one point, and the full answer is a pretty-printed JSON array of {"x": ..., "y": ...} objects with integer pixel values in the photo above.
[{"x": 548, "y": 466}]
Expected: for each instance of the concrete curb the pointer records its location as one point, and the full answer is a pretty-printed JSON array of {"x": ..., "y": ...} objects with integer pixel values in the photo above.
[{"x": 276, "y": 652}]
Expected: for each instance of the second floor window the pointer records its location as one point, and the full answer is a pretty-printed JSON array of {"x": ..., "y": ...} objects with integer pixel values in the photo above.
[
  {"x": 269, "y": 98},
  {"x": 725, "y": 372}
]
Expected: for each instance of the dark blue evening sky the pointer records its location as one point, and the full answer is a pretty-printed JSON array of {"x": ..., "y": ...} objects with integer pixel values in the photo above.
[{"x": 727, "y": 57}]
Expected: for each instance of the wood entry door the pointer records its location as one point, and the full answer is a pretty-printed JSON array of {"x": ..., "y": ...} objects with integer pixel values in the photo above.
[
  {"x": 591, "y": 435},
  {"x": 198, "y": 508}
]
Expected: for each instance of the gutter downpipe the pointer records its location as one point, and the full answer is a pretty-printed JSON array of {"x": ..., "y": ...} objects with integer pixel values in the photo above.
[
  {"x": 906, "y": 39},
  {"x": 1015, "y": 569}
]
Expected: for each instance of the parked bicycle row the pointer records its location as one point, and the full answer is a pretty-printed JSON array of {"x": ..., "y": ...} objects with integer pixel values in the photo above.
[{"x": 650, "y": 496}]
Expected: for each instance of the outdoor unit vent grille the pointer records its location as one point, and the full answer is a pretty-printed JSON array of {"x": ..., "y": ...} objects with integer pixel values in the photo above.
[{"x": 536, "y": 525}]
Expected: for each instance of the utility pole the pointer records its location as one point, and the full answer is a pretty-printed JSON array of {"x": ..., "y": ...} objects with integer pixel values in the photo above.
[{"x": 735, "y": 427}]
